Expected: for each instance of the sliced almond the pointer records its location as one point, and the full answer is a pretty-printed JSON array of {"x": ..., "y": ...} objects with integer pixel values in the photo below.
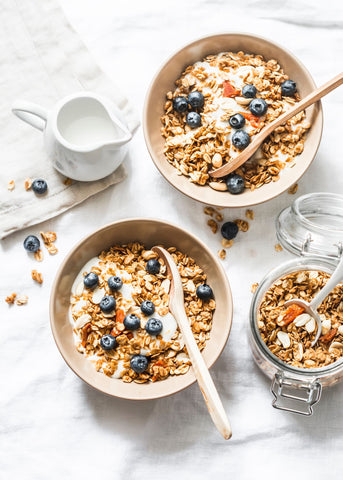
[
  {"x": 221, "y": 187},
  {"x": 79, "y": 289},
  {"x": 165, "y": 285},
  {"x": 81, "y": 321},
  {"x": 243, "y": 100},
  {"x": 217, "y": 160},
  {"x": 335, "y": 346},
  {"x": 299, "y": 352},
  {"x": 326, "y": 326},
  {"x": 310, "y": 325},
  {"x": 302, "y": 319},
  {"x": 98, "y": 294},
  {"x": 284, "y": 339}
]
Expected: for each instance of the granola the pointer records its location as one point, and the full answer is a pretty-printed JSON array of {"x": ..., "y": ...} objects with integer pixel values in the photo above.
[
  {"x": 289, "y": 334},
  {"x": 220, "y": 78},
  {"x": 165, "y": 351}
]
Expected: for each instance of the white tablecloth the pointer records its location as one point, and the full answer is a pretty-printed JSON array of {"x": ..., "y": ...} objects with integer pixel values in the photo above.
[{"x": 52, "y": 424}]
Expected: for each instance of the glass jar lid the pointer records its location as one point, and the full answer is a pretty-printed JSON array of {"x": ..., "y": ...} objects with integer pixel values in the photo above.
[{"x": 313, "y": 225}]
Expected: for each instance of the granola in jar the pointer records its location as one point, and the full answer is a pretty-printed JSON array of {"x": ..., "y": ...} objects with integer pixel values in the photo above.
[
  {"x": 120, "y": 316},
  {"x": 200, "y": 113},
  {"x": 288, "y": 332}
]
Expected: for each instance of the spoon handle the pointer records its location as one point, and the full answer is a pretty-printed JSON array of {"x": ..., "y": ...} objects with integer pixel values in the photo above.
[
  {"x": 334, "y": 280},
  {"x": 254, "y": 145},
  {"x": 205, "y": 382}
]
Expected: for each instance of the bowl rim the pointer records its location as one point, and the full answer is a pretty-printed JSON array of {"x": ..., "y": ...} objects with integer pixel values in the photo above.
[
  {"x": 79, "y": 244},
  {"x": 319, "y": 116}
]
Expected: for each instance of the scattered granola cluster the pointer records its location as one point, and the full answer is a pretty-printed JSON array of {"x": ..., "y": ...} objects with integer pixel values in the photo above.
[
  {"x": 229, "y": 230},
  {"x": 125, "y": 269},
  {"x": 18, "y": 299},
  {"x": 288, "y": 333},
  {"x": 225, "y": 81}
]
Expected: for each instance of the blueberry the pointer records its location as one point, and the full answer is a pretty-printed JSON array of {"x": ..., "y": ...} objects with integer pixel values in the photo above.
[
  {"x": 39, "y": 186},
  {"x": 237, "y": 121},
  {"x": 204, "y": 292},
  {"x": 132, "y": 322},
  {"x": 249, "y": 91},
  {"x": 235, "y": 184},
  {"x": 108, "y": 342},
  {"x": 153, "y": 266},
  {"x": 258, "y": 107},
  {"x": 31, "y": 243},
  {"x": 147, "y": 307},
  {"x": 139, "y": 363},
  {"x": 114, "y": 283},
  {"x": 180, "y": 104},
  {"x": 288, "y": 88},
  {"x": 193, "y": 119},
  {"x": 240, "y": 139},
  {"x": 196, "y": 99},
  {"x": 90, "y": 280},
  {"x": 107, "y": 304},
  {"x": 154, "y": 326},
  {"x": 229, "y": 230}
]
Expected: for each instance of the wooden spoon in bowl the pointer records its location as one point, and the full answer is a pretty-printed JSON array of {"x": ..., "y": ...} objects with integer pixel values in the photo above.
[
  {"x": 205, "y": 382},
  {"x": 254, "y": 145}
]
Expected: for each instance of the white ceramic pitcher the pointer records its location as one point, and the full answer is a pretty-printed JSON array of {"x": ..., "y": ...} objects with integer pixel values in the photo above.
[{"x": 84, "y": 134}]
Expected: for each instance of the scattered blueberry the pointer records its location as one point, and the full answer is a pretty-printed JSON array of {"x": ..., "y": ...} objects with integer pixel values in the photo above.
[
  {"x": 154, "y": 326},
  {"x": 249, "y": 91},
  {"x": 153, "y": 266},
  {"x": 147, "y": 307},
  {"x": 132, "y": 322},
  {"x": 108, "y": 342},
  {"x": 114, "y": 283},
  {"x": 90, "y": 280},
  {"x": 107, "y": 304},
  {"x": 204, "y": 292},
  {"x": 235, "y": 184},
  {"x": 180, "y": 104},
  {"x": 258, "y": 107},
  {"x": 193, "y": 119},
  {"x": 288, "y": 88},
  {"x": 139, "y": 363},
  {"x": 196, "y": 99},
  {"x": 237, "y": 121},
  {"x": 229, "y": 230},
  {"x": 39, "y": 186},
  {"x": 31, "y": 243},
  {"x": 240, "y": 139}
]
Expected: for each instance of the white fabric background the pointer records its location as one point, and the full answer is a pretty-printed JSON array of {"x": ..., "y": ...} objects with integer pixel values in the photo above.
[{"x": 52, "y": 425}]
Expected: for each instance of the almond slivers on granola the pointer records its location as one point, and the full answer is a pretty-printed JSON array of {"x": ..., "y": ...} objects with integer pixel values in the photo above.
[
  {"x": 194, "y": 152},
  {"x": 289, "y": 337},
  {"x": 166, "y": 352}
]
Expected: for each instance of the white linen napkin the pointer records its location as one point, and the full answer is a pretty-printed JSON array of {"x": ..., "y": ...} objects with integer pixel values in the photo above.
[{"x": 43, "y": 60}]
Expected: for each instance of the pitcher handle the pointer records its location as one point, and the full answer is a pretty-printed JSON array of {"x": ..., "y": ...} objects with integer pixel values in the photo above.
[{"x": 30, "y": 113}]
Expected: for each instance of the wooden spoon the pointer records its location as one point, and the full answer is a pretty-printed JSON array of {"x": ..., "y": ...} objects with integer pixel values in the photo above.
[
  {"x": 205, "y": 382},
  {"x": 254, "y": 145}
]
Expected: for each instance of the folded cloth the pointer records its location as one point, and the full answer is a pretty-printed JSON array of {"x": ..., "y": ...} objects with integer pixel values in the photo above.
[{"x": 43, "y": 60}]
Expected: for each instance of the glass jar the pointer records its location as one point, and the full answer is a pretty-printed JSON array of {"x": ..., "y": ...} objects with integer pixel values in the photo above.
[{"x": 312, "y": 228}]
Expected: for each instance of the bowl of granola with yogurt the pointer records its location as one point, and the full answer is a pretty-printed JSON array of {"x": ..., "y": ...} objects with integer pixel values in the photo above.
[
  {"x": 209, "y": 101},
  {"x": 110, "y": 315}
]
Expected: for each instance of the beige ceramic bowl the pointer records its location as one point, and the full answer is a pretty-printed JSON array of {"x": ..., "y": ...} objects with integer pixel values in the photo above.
[
  {"x": 149, "y": 232},
  {"x": 164, "y": 82}
]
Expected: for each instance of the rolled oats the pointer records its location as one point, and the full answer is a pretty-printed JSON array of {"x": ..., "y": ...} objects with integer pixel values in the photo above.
[
  {"x": 278, "y": 248},
  {"x": 249, "y": 214},
  {"x": 27, "y": 184},
  {"x": 22, "y": 299},
  {"x": 11, "y": 185},
  {"x": 38, "y": 255},
  {"x": 293, "y": 189}
]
